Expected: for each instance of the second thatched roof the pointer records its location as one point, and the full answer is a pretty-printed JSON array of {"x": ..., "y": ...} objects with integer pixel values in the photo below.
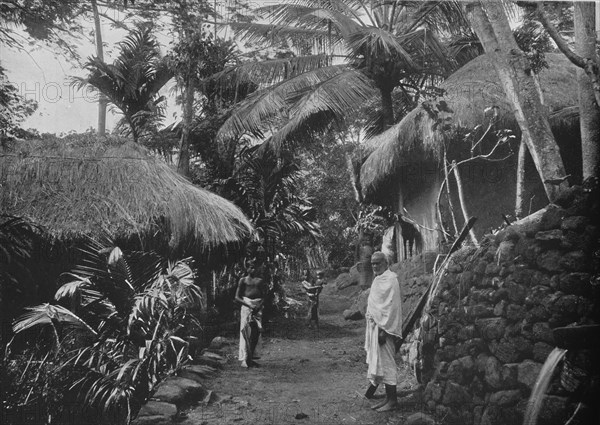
[
  {"x": 114, "y": 189},
  {"x": 468, "y": 92}
]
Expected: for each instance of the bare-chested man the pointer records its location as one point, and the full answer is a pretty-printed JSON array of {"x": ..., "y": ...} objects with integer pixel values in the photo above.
[{"x": 250, "y": 293}]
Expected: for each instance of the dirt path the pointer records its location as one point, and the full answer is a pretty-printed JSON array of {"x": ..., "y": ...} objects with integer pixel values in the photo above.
[{"x": 303, "y": 372}]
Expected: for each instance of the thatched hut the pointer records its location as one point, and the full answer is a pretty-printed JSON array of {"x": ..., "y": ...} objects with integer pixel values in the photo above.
[
  {"x": 118, "y": 190},
  {"x": 405, "y": 169}
]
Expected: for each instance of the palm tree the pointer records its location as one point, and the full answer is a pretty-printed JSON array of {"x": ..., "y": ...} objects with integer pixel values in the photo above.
[
  {"x": 360, "y": 51},
  {"x": 133, "y": 81}
]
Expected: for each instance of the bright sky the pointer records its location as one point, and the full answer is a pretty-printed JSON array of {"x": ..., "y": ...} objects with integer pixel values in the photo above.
[{"x": 44, "y": 75}]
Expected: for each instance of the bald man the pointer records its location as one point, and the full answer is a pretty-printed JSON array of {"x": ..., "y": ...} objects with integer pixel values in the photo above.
[{"x": 384, "y": 325}]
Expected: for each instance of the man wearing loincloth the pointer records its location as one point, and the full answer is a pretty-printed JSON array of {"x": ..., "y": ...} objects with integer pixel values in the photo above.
[
  {"x": 384, "y": 327},
  {"x": 250, "y": 293}
]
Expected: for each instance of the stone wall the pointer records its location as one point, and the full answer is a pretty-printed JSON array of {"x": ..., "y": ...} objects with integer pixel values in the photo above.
[{"x": 495, "y": 309}]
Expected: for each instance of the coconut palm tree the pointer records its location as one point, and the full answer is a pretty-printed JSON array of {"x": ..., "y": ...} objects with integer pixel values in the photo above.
[
  {"x": 358, "y": 51},
  {"x": 133, "y": 81}
]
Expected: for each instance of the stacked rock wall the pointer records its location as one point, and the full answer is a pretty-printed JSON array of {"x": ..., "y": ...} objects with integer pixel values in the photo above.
[{"x": 495, "y": 310}]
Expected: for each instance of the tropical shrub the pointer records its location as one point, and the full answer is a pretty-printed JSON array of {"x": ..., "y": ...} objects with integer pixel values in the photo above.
[{"x": 118, "y": 327}]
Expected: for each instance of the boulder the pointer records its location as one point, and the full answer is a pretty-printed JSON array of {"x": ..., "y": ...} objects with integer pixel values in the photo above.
[
  {"x": 491, "y": 328},
  {"x": 350, "y": 314},
  {"x": 527, "y": 372},
  {"x": 503, "y": 398},
  {"x": 151, "y": 420},
  {"x": 576, "y": 223},
  {"x": 158, "y": 408},
  {"x": 178, "y": 390},
  {"x": 203, "y": 371},
  {"x": 576, "y": 283},
  {"x": 456, "y": 394},
  {"x": 549, "y": 237},
  {"x": 542, "y": 332},
  {"x": 209, "y": 361},
  {"x": 506, "y": 251},
  {"x": 552, "y": 217},
  {"x": 433, "y": 391},
  {"x": 550, "y": 260},
  {"x": 493, "y": 372},
  {"x": 420, "y": 419},
  {"x": 541, "y": 351},
  {"x": 574, "y": 261},
  {"x": 218, "y": 342}
]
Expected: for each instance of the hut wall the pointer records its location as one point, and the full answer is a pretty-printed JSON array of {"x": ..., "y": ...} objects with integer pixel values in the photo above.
[
  {"x": 416, "y": 199},
  {"x": 490, "y": 190},
  {"x": 494, "y": 312}
]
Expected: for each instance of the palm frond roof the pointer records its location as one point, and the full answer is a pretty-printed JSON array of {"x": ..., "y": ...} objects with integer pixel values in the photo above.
[
  {"x": 114, "y": 189},
  {"x": 468, "y": 92}
]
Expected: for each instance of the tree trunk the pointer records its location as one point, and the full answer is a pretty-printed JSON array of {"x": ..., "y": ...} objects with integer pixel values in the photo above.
[
  {"x": 387, "y": 107},
  {"x": 589, "y": 112},
  {"x": 183, "y": 166},
  {"x": 102, "y": 100},
  {"x": 520, "y": 196},
  {"x": 589, "y": 64},
  {"x": 493, "y": 30},
  {"x": 365, "y": 250}
]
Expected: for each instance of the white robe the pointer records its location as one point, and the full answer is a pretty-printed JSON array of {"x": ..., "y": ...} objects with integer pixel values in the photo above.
[
  {"x": 245, "y": 314},
  {"x": 384, "y": 311}
]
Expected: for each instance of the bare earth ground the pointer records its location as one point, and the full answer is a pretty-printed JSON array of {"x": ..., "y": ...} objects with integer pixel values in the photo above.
[{"x": 306, "y": 377}]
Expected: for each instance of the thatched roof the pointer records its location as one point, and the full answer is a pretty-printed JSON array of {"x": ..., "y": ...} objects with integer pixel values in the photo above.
[
  {"x": 468, "y": 92},
  {"x": 116, "y": 190}
]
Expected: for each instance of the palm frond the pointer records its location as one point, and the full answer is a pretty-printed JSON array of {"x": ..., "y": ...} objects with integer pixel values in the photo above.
[
  {"x": 442, "y": 16},
  {"x": 268, "y": 34},
  {"x": 340, "y": 94},
  {"x": 270, "y": 71},
  {"x": 341, "y": 20},
  {"x": 48, "y": 314},
  {"x": 260, "y": 108},
  {"x": 133, "y": 80},
  {"x": 371, "y": 43}
]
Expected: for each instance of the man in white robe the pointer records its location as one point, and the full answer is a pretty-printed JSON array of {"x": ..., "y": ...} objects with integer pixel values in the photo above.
[{"x": 384, "y": 326}]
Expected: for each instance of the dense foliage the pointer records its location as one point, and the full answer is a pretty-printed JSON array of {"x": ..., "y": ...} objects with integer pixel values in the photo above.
[
  {"x": 14, "y": 108},
  {"x": 118, "y": 327}
]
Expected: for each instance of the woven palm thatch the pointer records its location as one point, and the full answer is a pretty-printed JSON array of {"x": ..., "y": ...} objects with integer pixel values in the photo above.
[
  {"x": 116, "y": 190},
  {"x": 467, "y": 93}
]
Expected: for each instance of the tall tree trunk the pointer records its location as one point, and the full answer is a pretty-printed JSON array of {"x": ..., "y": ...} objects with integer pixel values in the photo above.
[
  {"x": 493, "y": 30},
  {"x": 183, "y": 166},
  {"x": 589, "y": 64},
  {"x": 520, "y": 195},
  {"x": 589, "y": 112},
  {"x": 387, "y": 107},
  {"x": 102, "y": 100}
]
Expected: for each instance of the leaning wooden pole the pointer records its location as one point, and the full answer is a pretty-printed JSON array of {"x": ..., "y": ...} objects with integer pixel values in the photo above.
[{"x": 461, "y": 198}]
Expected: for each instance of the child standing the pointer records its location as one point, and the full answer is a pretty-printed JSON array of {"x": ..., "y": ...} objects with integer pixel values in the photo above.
[{"x": 313, "y": 291}]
